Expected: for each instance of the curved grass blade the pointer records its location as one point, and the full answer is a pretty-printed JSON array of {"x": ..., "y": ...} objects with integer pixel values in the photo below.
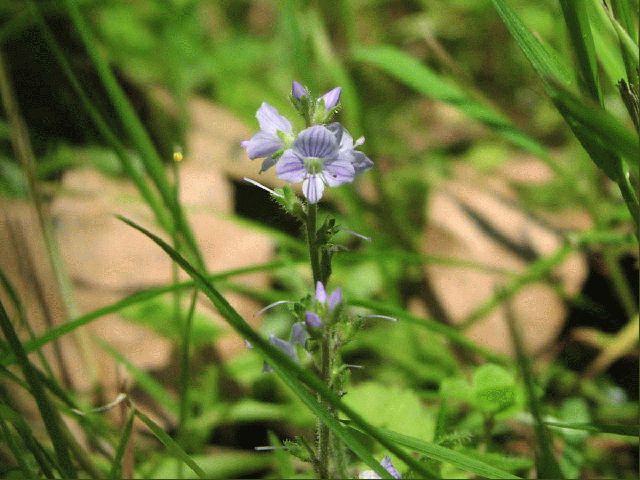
[
  {"x": 170, "y": 443},
  {"x": 291, "y": 373},
  {"x": 133, "y": 299},
  {"x": 447, "y": 455},
  {"x": 420, "y": 78}
]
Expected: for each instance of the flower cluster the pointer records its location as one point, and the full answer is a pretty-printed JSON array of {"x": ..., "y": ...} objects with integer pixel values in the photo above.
[{"x": 323, "y": 154}]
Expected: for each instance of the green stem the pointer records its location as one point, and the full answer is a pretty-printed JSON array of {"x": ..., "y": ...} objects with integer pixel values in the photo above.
[{"x": 312, "y": 213}]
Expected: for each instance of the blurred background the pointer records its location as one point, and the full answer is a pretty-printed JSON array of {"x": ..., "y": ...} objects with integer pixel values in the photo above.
[{"x": 481, "y": 205}]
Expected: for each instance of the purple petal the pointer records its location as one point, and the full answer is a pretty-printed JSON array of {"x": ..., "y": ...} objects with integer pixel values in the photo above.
[
  {"x": 321, "y": 293},
  {"x": 298, "y": 91},
  {"x": 299, "y": 334},
  {"x": 331, "y": 98},
  {"x": 388, "y": 466},
  {"x": 361, "y": 163},
  {"x": 338, "y": 172},
  {"x": 262, "y": 144},
  {"x": 337, "y": 129},
  {"x": 312, "y": 187},
  {"x": 317, "y": 142},
  {"x": 284, "y": 346},
  {"x": 291, "y": 167},
  {"x": 271, "y": 121},
  {"x": 335, "y": 299},
  {"x": 312, "y": 320}
]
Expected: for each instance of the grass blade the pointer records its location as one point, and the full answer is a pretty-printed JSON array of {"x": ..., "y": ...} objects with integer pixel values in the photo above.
[
  {"x": 116, "y": 466},
  {"x": 133, "y": 299},
  {"x": 576, "y": 17},
  {"x": 48, "y": 412},
  {"x": 447, "y": 455},
  {"x": 170, "y": 443},
  {"x": 545, "y": 62},
  {"x": 625, "y": 430},
  {"x": 291, "y": 373},
  {"x": 546, "y": 464}
]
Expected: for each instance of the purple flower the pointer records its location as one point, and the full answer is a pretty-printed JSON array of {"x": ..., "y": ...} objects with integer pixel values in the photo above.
[
  {"x": 314, "y": 161},
  {"x": 387, "y": 465},
  {"x": 334, "y": 299},
  {"x": 331, "y": 98},
  {"x": 299, "y": 334},
  {"x": 347, "y": 148},
  {"x": 274, "y": 128},
  {"x": 298, "y": 90},
  {"x": 285, "y": 347},
  {"x": 313, "y": 320}
]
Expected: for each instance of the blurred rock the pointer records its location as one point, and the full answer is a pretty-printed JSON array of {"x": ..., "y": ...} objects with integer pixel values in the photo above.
[{"x": 476, "y": 218}]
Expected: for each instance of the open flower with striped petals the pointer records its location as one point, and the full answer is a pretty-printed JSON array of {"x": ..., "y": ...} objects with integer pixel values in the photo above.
[{"x": 314, "y": 160}]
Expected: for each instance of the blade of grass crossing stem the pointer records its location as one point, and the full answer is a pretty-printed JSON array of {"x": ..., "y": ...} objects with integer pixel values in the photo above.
[
  {"x": 447, "y": 455},
  {"x": 133, "y": 299},
  {"x": 170, "y": 443},
  {"x": 576, "y": 17},
  {"x": 151, "y": 159},
  {"x": 622, "y": 10},
  {"x": 292, "y": 373},
  {"x": 419, "y": 77},
  {"x": 48, "y": 412},
  {"x": 116, "y": 466},
  {"x": 546, "y": 464}
]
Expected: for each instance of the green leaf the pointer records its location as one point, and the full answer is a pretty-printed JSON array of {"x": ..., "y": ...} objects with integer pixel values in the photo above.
[
  {"x": 447, "y": 455},
  {"x": 494, "y": 388},
  {"x": 423, "y": 80},
  {"x": 290, "y": 372},
  {"x": 170, "y": 443}
]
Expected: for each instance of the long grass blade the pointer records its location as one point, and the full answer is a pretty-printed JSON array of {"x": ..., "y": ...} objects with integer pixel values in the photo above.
[
  {"x": 546, "y": 464},
  {"x": 133, "y": 299},
  {"x": 116, "y": 466},
  {"x": 48, "y": 412},
  {"x": 447, "y": 455},
  {"x": 576, "y": 16},
  {"x": 292, "y": 373},
  {"x": 625, "y": 430}
]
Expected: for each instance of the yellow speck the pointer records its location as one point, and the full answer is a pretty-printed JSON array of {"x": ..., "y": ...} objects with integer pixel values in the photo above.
[{"x": 177, "y": 155}]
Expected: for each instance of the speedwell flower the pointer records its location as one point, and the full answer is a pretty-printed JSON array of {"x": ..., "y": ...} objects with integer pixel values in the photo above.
[
  {"x": 312, "y": 319},
  {"x": 275, "y": 132},
  {"x": 314, "y": 161}
]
